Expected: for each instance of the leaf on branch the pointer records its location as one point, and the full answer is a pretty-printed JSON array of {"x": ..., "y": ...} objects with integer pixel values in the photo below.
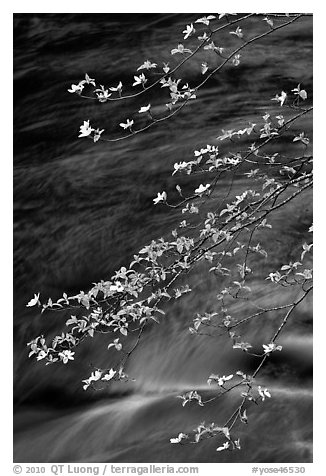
[
  {"x": 237, "y": 32},
  {"x": 300, "y": 92},
  {"x": 221, "y": 15},
  {"x": 306, "y": 249},
  {"x": 252, "y": 173},
  {"x": 102, "y": 94},
  {"x": 117, "y": 287},
  {"x": 89, "y": 80},
  {"x": 189, "y": 396},
  {"x": 97, "y": 134},
  {"x": 275, "y": 277},
  {"x": 213, "y": 47},
  {"x": 76, "y": 88},
  {"x": 179, "y": 438},
  {"x": 140, "y": 80},
  {"x": 183, "y": 290},
  {"x": 263, "y": 392},
  {"x": 72, "y": 320},
  {"x": 180, "y": 49},
  {"x": 109, "y": 376},
  {"x": 123, "y": 331},
  {"x": 202, "y": 189},
  {"x": 271, "y": 348},
  {"x": 116, "y": 344},
  {"x": 306, "y": 274},
  {"x": 181, "y": 166},
  {"x": 219, "y": 380},
  {"x": 280, "y": 98},
  {"x": 190, "y": 30},
  {"x": 127, "y": 125},
  {"x": 301, "y": 137},
  {"x": 236, "y": 444},
  {"x": 243, "y": 417},
  {"x": 66, "y": 355},
  {"x": 144, "y": 109},
  {"x": 147, "y": 65},
  {"x": 205, "y": 20},
  {"x": 93, "y": 378},
  {"x": 226, "y": 134},
  {"x": 85, "y": 129},
  {"x": 117, "y": 88},
  {"x": 225, "y": 446},
  {"x": 245, "y": 346},
  {"x": 236, "y": 60},
  {"x": 269, "y": 21},
  {"x": 264, "y": 224},
  {"x": 161, "y": 197},
  {"x": 35, "y": 300},
  {"x": 204, "y": 68},
  {"x": 203, "y": 37}
]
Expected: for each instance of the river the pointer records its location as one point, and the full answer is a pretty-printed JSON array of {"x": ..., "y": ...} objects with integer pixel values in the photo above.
[{"x": 80, "y": 212}]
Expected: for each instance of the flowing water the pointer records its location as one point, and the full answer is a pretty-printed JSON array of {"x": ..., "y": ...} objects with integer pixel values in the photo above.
[{"x": 82, "y": 210}]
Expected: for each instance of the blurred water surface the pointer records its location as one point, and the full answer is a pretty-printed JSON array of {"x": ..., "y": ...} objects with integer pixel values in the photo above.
[{"x": 82, "y": 209}]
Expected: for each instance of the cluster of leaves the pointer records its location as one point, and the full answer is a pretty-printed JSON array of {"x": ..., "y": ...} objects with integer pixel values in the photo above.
[
  {"x": 219, "y": 233},
  {"x": 203, "y": 35}
]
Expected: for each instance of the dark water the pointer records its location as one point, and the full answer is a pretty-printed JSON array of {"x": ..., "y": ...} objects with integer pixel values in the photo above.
[{"x": 82, "y": 209}]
